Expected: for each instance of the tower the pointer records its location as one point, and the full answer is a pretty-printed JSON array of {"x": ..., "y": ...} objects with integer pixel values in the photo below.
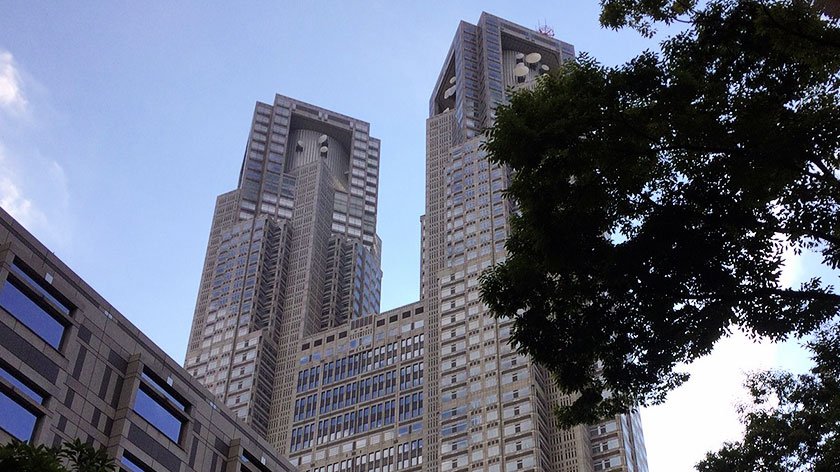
[
  {"x": 292, "y": 250},
  {"x": 493, "y": 410}
]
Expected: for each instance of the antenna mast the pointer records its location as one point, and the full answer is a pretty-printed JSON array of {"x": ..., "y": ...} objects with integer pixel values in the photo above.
[{"x": 544, "y": 29}]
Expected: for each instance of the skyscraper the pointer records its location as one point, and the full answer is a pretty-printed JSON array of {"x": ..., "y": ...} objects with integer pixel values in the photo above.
[
  {"x": 287, "y": 327},
  {"x": 489, "y": 408},
  {"x": 292, "y": 251}
]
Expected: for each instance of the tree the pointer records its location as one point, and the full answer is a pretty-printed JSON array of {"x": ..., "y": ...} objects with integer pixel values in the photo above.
[
  {"x": 23, "y": 457},
  {"x": 657, "y": 199},
  {"x": 72, "y": 456},
  {"x": 793, "y": 422}
]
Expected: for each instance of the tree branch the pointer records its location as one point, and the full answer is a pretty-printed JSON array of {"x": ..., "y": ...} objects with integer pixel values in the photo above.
[{"x": 829, "y": 176}]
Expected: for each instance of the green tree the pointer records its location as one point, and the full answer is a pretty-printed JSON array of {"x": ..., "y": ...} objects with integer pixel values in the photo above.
[
  {"x": 72, "y": 456},
  {"x": 657, "y": 198},
  {"x": 82, "y": 457},
  {"x": 793, "y": 422},
  {"x": 23, "y": 457}
]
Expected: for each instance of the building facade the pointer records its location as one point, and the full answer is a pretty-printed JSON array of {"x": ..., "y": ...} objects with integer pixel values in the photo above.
[
  {"x": 71, "y": 366},
  {"x": 293, "y": 251},
  {"x": 491, "y": 408},
  {"x": 287, "y": 330}
]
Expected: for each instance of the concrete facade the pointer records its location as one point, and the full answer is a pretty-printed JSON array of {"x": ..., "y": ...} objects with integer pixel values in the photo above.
[{"x": 71, "y": 366}]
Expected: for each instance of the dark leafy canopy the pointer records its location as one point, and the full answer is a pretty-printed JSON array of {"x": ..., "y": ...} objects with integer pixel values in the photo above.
[
  {"x": 658, "y": 198},
  {"x": 642, "y": 14},
  {"x": 793, "y": 423},
  {"x": 23, "y": 457},
  {"x": 73, "y": 456}
]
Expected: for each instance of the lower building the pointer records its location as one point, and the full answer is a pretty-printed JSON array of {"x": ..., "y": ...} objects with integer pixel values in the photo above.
[
  {"x": 71, "y": 366},
  {"x": 359, "y": 395}
]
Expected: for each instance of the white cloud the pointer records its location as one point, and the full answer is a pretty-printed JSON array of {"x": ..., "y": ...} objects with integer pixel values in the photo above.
[
  {"x": 34, "y": 188},
  {"x": 20, "y": 207},
  {"x": 700, "y": 415},
  {"x": 11, "y": 91},
  {"x": 12, "y": 198}
]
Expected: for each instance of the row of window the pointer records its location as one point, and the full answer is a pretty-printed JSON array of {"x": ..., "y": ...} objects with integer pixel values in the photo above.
[
  {"x": 305, "y": 407},
  {"x": 411, "y": 376},
  {"x": 411, "y": 406},
  {"x": 403, "y": 456},
  {"x": 354, "y": 364},
  {"x": 412, "y": 347},
  {"x": 365, "y": 419},
  {"x": 339, "y": 426},
  {"x": 604, "y": 464},
  {"x": 308, "y": 379},
  {"x": 360, "y": 391},
  {"x": 359, "y": 363},
  {"x": 35, "y": 304}
]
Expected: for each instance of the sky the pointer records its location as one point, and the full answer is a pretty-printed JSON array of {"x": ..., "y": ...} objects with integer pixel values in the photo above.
[{"x": 120, "y": 122}]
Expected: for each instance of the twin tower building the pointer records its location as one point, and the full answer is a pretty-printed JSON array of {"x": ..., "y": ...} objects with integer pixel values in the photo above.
[{"x": 287, "y": 329}]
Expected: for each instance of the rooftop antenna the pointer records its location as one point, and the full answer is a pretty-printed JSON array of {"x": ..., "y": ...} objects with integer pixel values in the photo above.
[{"x": 544, "y": 29}]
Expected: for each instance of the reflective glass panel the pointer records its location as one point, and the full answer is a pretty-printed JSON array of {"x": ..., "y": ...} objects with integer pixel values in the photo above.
[
  {"x": 130, "y": 464},
  {"x": 164, "y": 391},
  {"x": 28, "y": 312},
  {"x": 157, "y": 415},
  {"x": 38, "y": 286},
  {"x": 16, "y": 420},
  {"x": 20, "y": 385}
]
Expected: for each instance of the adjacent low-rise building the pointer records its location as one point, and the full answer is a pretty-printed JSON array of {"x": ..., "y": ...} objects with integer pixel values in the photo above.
[{"x": 71, "y": 366}]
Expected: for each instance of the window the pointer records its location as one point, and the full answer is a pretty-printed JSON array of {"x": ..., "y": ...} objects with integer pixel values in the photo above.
[
  {"x": 33, "y": 307},
  {"x": 161, "y": 406},
  {"x": 157, "y": 415},
  {"x": 16, "y": 419},
  {"x": 19, "y": 415},
  {"x": 42, "y": 288},
  {"x": 165, "y": 391},
  {"x": 22, "y": 385},
  {"x": 600, "y": 447},
  {"x": 602, "y": 464},
  {"x": 250, "y": 459},
  {"x": 131, "y": 464}
]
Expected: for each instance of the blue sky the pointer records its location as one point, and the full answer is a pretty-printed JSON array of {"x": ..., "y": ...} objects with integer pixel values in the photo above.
[{"x": 120, "y": 122}]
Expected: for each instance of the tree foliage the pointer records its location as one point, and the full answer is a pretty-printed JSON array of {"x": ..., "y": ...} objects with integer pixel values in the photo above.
[
  {"x": 641, "y": 15},
  {"x": 72, "y": 456},
  {"x": 793, "y": 422},
  {"x": 657, "y": 198}
]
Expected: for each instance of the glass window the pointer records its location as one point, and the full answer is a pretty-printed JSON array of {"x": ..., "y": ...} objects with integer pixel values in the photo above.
[
  {"x": 17, "y": 382},
  {"x": 248, "y": 458},
  {"x": 164, "y": 390},
  {"x": 158, "y": 415},
  {"x": 16, "y": 419},
  {"x": 15, "y": 299},
  {"x": 132, "y": 464},
  {"x": 21, "y": 273}
]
